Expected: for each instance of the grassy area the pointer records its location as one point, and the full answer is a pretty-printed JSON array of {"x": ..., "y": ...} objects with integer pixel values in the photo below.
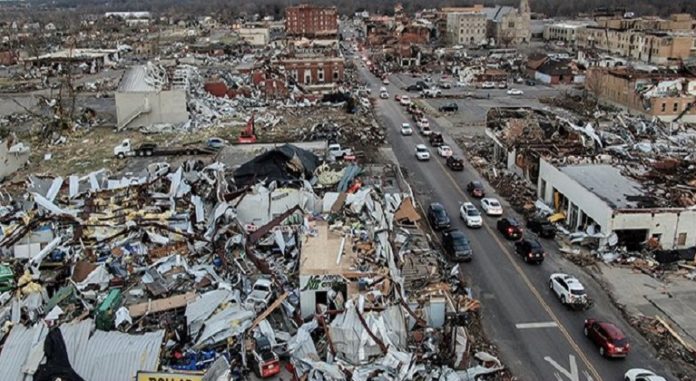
[{"x": 92, "y": 149}]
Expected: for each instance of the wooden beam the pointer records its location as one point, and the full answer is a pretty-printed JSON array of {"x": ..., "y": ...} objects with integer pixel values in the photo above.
[{"x": 268, "y": 310}]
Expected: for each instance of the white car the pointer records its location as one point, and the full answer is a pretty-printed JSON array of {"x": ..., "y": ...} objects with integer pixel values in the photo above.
[
  {"x": 385, "y": 81},
  {"x": 422, "y": 123},
  {"x": 470, "y": 215},
  {"x": 444, "y": 151},
  {"x": 422, "y": 152},
  {"x": 568, "y": 289},
  {"x": 382, "y": 89},
  {"x": 638, "y": 374},
  {"x": 405, "y": 100},
  {"x": 488, "y": 85},
  {"x": 426, "y": 131},
  {"x": 406, "y": 129},
  {"x": 515, "y": 92},
  {"x": 384, "y": 95},
  {"x": 365, "y": 102},
  {"x": 491, "y": 206}
]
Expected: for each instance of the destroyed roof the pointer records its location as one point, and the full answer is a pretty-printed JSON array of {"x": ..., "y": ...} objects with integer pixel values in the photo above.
[
  {"x": 320, "y": 253},
  {"x": 137, "y": 79},
  {"x": 285, "y": 163},
  {"x": 607, "y": 183}
]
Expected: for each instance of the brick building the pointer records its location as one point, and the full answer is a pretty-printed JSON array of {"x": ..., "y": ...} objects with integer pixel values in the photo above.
[
  {"x": 649, "y": 46},
  {"x": 315, "y": 70},
  {"x": 307, "y": 20},
  {"x": 662, "y": 95}
]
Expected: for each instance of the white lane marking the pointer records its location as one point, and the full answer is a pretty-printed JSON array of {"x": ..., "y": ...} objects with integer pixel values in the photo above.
[
  {"x": 572, "y": 373},
  {"x": 546, "y": 324}
]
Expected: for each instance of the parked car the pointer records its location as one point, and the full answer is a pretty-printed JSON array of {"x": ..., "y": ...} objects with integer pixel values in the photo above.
[
  {"x": 449, "y": 107},
  {"x": 414, "y": 88},
  {"x": 423, "y": 122},
  {"x": 438, "y": 217},
  {"x": 491, "y": 206},
  {"x": 444, "y": 151},
  {"x": 385, "y": 81},
  {"x": 406, "y": 129},
  {"x": 530, "y": 82},
  {"x": 530, "y": 250},
  {"x": 444, "y": 85},
  {"x": 515, "y": 92},
  {"x": 216, "y": 143},
  {"x": 608, "y": 337},
  {"x": 454, "y": 163},
  {"x": 542, "y": 227},
  {"x": 405, "y": 100},
  {"x": 568, "y": 289},
  {"x": 638, "y": 374},
  {"x": 397, "y": 98},
  {"x": 436, "y": 139},
  {"x": 384, "y": 95},
  {"x": 432, "y": 92},
  {"x": 261, "y": 295},
  {"x": 475, "y": 189},
  {"x": 488, "y": 85},
  {"x": 471, "y": 216},
  {"x": 510, "y": 228},
  {"x": 502, "y": 85},
  {"x": 456, "y": 245},
  {"x": 422, "y": 153}
]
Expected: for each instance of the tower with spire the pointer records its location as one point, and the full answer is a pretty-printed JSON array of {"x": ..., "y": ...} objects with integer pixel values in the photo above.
[{"x": 524, "y": 7}]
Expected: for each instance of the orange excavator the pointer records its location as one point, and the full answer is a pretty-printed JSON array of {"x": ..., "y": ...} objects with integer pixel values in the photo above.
[{"x": 248, "y": 134}]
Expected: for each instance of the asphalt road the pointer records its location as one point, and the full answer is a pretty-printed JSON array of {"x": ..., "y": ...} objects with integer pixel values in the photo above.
[{"x": 539, "y": 339}]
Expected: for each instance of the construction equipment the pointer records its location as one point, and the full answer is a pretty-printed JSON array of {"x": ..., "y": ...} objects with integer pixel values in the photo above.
[{"x": 248, "y": 135}]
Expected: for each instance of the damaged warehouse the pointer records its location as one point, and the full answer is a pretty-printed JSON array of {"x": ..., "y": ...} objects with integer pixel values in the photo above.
[{"x": 184, "y": 272}]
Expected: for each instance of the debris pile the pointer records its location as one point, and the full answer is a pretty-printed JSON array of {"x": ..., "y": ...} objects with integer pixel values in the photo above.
[{"x": 207, "y": 270}]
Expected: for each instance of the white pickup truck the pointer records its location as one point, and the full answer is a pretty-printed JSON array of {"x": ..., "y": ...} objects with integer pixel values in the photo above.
[{"x": 260, "y": 296}]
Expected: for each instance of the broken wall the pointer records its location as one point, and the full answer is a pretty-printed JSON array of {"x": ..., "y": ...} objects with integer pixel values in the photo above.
[
  {"x": 11, "y": 158},
  {"x": 142, "y": 109}
]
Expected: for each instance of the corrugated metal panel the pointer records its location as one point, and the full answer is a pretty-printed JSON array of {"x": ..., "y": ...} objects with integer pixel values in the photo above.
[
  {"x": 135, "y": 80},
  {"x": 197, "y": 311},
  {"x": 17, "y": 348},
  {"x": 76, "y": 337},
  {"x": 115, "y": 356}
]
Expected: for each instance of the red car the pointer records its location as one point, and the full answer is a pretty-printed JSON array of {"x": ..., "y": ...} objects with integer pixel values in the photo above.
[
  {"x": 397, "y": 97},
  {"x": 608, "y": 337}
]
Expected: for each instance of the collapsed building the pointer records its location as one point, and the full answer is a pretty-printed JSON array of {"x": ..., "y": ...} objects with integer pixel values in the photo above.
[
  {"x": 623, "y": 182},
  {"x": 209, "y": 271}
]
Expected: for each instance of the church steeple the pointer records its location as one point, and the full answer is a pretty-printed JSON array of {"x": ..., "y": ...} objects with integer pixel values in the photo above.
[{"x": 524, "y": 7}]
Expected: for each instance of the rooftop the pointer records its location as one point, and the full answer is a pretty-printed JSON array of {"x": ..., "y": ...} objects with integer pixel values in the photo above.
[
  {"x": 607, "y": 182},
  {"x": 319, "y": 253}
]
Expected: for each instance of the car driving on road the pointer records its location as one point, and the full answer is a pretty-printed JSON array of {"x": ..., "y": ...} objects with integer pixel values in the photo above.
[
  {"x": 456, "y": 245},
  {"x": 438, "y": 217},
  {"x": 444, "y": 151},
  {"x": 422, "y": 152},
  {"x": 475, "y": 189},
  {"x": 568, "y": 289},
  {"x": 609, "y": 338},
  {"x": 510, "y": 228},
  {"x": 491, "y": 206},
  {"x": 405, "y": 100},
  {"x": 530, "y": 250},
  {"x": 454, "y": 163},
  {"x": 515, "y": 92},
  {"x": 406, "y": 129},
  {"x": 638, "y": 374},
  {"x": 470, "y": 215}
]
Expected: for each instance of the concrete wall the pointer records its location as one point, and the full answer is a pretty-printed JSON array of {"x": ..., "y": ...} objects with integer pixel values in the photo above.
[
  {"x": 255, "y": 36},
  {"x": 165, "y": 107},
  {"x": 669, "y": 223}
]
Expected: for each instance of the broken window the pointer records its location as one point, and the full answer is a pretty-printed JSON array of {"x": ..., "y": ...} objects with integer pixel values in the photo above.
[
  {"x": 664, "y": 106},
  {"x": 675, "y": 107},
  {"x": 681, "y": 239}
]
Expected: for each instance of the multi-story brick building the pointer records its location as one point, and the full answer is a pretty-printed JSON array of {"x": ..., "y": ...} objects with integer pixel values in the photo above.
[
  {"x": 649, "y": 46},
  {"x": 566, "y": 31},
  {"x": 307, "y": 20},
  {"x": 663, "y": 95}
]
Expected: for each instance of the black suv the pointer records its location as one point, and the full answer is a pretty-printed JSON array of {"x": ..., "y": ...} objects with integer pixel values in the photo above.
[
  {"x": 449, "y": 107},
  {"x": 456, "y": 245},
  {"x": 530, "y": 250},
  {"x": 454, "y": 163},
  {"x": 436, "y": 139},
  {"x": 415, "y": 88},
  {"x": 437, "y": 215},
  {"x": 542, "y": 227},
  {"x": 510, "y": 228}
]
